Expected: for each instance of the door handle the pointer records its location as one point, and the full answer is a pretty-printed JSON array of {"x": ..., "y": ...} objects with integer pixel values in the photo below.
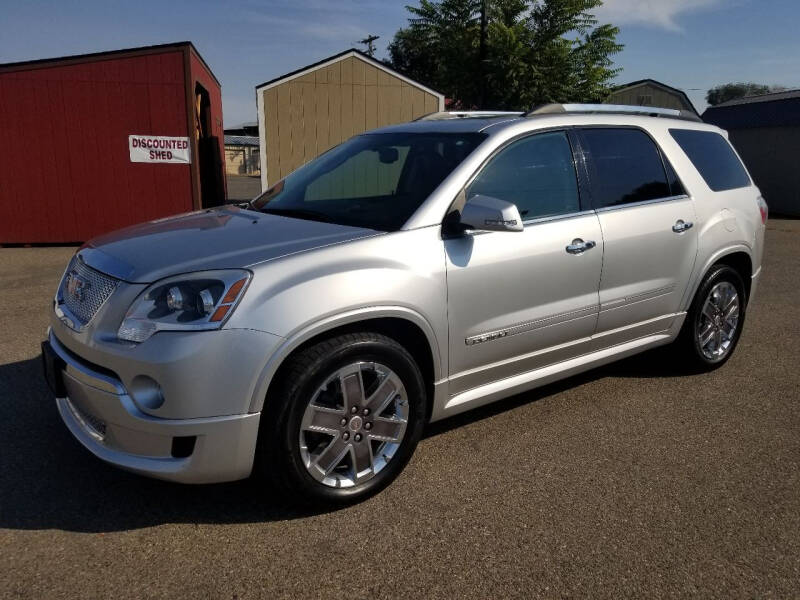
[
  {"x": 578, "y": 246},
  {"x": 681, "y": 226}
]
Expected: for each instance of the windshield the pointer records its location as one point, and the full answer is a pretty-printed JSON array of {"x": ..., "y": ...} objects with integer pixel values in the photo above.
[{"x": 375, "y": 180}]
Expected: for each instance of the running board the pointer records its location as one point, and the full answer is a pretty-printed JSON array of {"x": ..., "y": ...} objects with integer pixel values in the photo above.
[{"x": 529, "y": 380}]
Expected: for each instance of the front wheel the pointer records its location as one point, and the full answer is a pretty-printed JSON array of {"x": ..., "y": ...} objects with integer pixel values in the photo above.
[
  {"x": 344, "y": 420},
  {"x": 714, "y": 323}
]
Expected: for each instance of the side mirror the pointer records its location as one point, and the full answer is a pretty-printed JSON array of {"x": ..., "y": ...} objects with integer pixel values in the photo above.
[{"x": 485, "y": 213}]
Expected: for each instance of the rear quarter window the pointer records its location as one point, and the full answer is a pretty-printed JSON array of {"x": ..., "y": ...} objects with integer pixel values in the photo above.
[{"x": 713, "y": 157}]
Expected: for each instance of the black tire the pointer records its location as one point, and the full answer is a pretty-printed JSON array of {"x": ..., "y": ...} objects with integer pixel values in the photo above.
[
  {"x": 278, "y": 454},
  {"x": 688, "y": 345}
]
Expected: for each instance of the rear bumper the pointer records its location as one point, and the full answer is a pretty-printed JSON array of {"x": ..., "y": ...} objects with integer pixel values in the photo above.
[{"x": 102, "y": 416}]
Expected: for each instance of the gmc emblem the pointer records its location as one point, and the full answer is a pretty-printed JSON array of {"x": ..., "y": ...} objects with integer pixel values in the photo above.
[{"x": 76, "y": 286}]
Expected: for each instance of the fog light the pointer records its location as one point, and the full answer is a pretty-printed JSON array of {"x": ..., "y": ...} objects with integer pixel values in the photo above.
[{"x": 146, "y": 392}]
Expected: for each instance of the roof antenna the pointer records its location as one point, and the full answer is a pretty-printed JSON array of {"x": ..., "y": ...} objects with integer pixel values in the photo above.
[{"x": 368, "y": 42}]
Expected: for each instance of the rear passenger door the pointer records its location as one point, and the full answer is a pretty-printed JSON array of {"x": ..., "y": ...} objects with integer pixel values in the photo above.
[{"x": 649, "y": 241}]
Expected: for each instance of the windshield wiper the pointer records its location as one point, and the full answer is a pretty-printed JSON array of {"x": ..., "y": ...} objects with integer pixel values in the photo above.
[{"x": 299, "y": 213}]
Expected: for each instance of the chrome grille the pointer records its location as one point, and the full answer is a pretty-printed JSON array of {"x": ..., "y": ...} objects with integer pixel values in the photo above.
[{"x": 83, "y": 290}]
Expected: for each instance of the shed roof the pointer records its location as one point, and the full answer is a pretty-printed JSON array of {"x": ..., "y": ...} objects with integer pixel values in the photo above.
[
  {"x": 341, "y": 56},
  {"x": 779, "y": 109},
  {"x": 42, "y": 63},
  {"x": 666, "y": 87}
]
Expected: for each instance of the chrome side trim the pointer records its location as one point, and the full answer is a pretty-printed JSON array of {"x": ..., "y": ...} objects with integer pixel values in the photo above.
[
  {"x": 527, "y": 326},
  {"x": 551, "y": 218},
  {"x": 648, "y": 295},
  {"x": 641, "y": 203},
  {"x": 495, "y": 390}
]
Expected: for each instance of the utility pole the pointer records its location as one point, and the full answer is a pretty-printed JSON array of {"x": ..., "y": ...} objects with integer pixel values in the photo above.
[
  {"x": 368, "y": 42},
  {"x": 482, "y": 55}
]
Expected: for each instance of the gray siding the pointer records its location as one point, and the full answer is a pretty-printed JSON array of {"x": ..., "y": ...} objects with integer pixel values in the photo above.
[{"x": 770, "y": 154}]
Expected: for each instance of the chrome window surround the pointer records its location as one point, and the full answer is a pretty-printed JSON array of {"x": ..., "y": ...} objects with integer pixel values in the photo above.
[
  {"x": 662, "y": 155},
  {"x": 506, "y": 144},
  {"x": 642, "y": 203}
]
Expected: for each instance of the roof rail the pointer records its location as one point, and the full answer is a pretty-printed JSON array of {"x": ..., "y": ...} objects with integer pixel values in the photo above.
[
  {"x": 468, "y": 114},
  {"x": 616, "y": 109}
]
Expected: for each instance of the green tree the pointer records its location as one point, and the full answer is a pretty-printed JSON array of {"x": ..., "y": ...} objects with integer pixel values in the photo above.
[
  {"x": 508, "y": 54},
  {"x": 733, "y": 91}
]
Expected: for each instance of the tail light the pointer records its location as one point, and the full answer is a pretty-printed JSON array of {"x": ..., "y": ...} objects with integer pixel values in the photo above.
[{"x": 763, "y": 208}]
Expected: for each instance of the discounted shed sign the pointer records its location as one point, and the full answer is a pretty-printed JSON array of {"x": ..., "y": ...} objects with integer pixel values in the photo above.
[{"x": 159, "y": 149}]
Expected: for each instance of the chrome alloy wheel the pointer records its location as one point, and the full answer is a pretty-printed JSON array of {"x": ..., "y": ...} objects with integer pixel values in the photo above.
[
  {"x": 354, "y": 424},
  {"x": 716, "y": 325}
]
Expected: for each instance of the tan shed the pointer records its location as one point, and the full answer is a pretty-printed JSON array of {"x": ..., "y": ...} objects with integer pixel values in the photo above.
[
  {"x": 306, "y": 112},
  {"x": 649, "y": 92}
]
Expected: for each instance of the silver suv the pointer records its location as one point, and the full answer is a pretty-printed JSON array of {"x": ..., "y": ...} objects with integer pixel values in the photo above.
[{"x": 407, "y": 275}]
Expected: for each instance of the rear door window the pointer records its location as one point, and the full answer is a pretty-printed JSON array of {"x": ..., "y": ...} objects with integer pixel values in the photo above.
[
  {"x": 625, "y": 166},
  {"x": 713, "y": 157}
]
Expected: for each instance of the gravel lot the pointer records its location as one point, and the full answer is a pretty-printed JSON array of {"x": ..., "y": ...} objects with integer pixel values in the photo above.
[{"x": 630, "y": 481}]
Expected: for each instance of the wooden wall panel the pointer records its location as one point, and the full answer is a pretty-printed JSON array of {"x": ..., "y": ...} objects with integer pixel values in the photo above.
[
  {"x": 417, "y": 103},
  {"x": 296, "y": 120},
  {"x": 284, "y": 131},
  {"x": 308, "y": 84},
  {"x": 335, "y": 103},
  {"x": 270, "y": 104},
  {"x": 431, "y": 103},
  {"x": 406, "y": 105}
]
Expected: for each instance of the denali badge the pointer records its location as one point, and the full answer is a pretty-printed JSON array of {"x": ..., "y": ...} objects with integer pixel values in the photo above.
[
  {"x": 509, "y": 223},
  {"x": 76, "y": 286},
  {"x": 485, "y": 337}
]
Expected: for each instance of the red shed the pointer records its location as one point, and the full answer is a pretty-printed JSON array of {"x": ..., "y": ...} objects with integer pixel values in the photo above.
[{"x": 95, "y": 142}]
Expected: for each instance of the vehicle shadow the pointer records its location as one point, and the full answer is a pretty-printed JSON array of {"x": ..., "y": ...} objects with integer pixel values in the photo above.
[
  {"x": 48, "y": 481},
  {"x": 656, "y": 363}
]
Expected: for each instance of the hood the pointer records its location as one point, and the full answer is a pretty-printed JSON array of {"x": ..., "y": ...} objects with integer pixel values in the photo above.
[{"x": 223, "y": 238}]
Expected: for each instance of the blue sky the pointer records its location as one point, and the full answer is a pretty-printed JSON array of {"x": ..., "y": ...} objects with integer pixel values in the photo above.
[{"x": 690, "y": 44}]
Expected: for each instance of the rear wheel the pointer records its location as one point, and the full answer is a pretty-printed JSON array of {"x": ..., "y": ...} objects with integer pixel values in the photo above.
[
  {"x": 344, "y": 420},
  {"x": 714, "y": 323}
]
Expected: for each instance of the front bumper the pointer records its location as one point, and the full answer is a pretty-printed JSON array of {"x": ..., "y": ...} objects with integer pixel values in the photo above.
[{"x": 100, "y": 413}]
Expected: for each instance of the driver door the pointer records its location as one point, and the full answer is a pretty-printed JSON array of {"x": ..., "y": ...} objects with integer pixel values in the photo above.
[{"x": 518, "y": 301}]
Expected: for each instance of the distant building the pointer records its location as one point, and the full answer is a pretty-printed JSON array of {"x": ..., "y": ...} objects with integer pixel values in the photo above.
[
  {"x": 306, "y": 112},
  {"x": 649, "y": 92},
  {"x": 242, "y": 155},
  {"x": 765, "y": 130}
]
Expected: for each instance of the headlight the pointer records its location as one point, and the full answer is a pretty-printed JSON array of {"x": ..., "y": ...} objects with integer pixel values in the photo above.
[{"x": 191, "y": 302}]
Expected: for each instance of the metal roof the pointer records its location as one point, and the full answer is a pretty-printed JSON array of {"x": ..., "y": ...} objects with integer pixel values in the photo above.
[
  {"x": 780, "y": 109},
  {"x": 241, "y": 140}
]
